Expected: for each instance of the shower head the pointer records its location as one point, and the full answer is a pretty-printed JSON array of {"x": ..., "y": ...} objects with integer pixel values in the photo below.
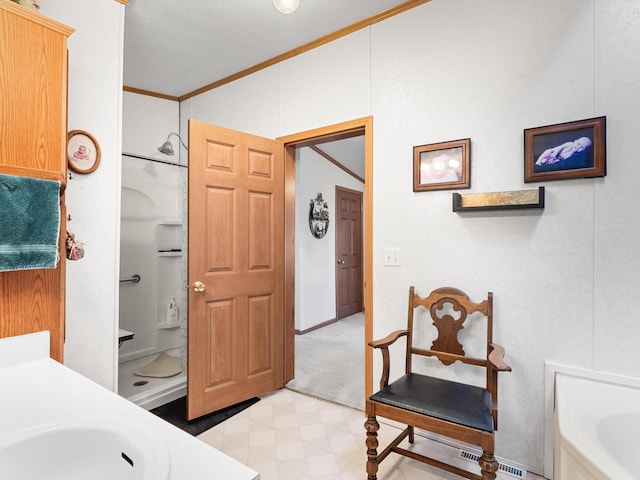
[{"x": 167, "y": 147}]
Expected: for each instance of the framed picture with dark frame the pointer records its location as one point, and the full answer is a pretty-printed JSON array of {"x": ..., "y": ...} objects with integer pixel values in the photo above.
[
  {"x": 566, "y": 150},
  {"x": 83, "y": 152},
  {"x": 442, "y": 166}
]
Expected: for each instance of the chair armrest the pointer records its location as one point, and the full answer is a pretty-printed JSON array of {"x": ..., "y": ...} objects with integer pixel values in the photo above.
[
  {"x": 383, "y": 345},
  {"x": 389, "y": 339},
  {"x": 495, "y": 358},
  {"x": 496, "y": 364}
]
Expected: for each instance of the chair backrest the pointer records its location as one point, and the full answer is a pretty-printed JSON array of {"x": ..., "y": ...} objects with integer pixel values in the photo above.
[{"x": 449, "y": 309}]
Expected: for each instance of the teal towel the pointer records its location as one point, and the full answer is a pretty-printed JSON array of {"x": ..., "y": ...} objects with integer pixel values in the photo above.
[{"x": 29, "y": 223}]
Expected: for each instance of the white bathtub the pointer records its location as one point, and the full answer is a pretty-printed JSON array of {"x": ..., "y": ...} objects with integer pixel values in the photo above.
[
  {"x": 56, "y": 424},
  {"x": 596, "y": 429},
  {"x": 95, "y": 447}
]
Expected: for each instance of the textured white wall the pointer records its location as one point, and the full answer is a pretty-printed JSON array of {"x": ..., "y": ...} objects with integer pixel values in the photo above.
[
  {"x": 252, "y": 106},
  {"x": 95, "y": 105},
  {"x": 316, "y": 258},
  {"x": 146, "y": 123},
  {"x": 326, "y": 85},
  {"x": 616, "y": 333},
  {"x": 562, "y": 278}
]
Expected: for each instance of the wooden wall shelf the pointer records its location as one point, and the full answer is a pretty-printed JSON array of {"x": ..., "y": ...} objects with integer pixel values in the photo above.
[{"x": 514, "y": 200}]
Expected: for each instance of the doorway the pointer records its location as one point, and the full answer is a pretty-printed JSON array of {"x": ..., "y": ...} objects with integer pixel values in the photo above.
[
  {"x": 329, "y": 318},
  {"x": 324, "y": 331}
]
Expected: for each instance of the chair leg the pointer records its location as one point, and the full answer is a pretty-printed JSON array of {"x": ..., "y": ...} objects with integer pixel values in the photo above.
[
  {"x": 372, "y": 426},
  {"x": 411, "y": 434},
  {"x": 488, "y": 465}
]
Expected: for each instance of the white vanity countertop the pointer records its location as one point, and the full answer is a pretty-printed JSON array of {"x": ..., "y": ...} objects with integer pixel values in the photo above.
[{"x": 36, "y": 390}]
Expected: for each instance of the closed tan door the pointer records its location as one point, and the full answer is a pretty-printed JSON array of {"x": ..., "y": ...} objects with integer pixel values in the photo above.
[
  {"x": 236, "y": 267},
  {"x": 348, "y": 252}
]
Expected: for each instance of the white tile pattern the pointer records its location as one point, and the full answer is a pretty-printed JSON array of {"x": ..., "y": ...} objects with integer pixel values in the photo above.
[{"x": 290, "y": 436}]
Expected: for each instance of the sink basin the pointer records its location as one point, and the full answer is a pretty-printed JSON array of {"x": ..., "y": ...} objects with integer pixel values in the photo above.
[{"x": 99, "y": 448}]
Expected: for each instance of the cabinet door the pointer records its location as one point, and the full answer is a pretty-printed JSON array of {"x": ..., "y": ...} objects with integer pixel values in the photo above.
[{"x": 33, "y": 82}]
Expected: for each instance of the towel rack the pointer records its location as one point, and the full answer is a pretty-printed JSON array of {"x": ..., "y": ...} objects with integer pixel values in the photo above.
[{"x": 134, "y": 279}]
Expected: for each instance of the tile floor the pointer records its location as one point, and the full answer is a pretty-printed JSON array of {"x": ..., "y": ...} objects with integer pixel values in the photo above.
[{"x": 290, "y": 436}]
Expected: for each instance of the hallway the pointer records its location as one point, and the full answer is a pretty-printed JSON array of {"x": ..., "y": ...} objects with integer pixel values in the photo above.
[{"x": 329, "y": 362}]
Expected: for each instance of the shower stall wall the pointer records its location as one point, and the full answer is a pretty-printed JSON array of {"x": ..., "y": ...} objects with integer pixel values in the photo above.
[{"x": 152, "y": 276}]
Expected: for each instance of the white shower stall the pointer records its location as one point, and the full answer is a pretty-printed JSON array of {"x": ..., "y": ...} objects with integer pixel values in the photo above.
[{"x": 153, "y": 274}]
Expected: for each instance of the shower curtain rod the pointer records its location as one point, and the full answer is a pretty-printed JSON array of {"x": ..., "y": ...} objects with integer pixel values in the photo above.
[{"x": 154, "y": 160}]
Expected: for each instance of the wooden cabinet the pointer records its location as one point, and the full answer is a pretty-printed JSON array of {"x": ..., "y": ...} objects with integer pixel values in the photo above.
[{"x": 33, "y": 125}]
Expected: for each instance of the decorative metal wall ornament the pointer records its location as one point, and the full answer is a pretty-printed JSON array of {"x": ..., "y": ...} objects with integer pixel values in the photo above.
[{"x": 318, "y": 216}]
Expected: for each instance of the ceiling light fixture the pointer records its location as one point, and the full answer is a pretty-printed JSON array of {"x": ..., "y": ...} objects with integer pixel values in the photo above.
[
  {"x": 167, "y": 147},
  {"x": 286, "y": 6}
]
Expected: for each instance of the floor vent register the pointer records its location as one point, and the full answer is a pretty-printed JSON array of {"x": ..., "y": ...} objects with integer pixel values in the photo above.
[{"x": 504, "y": 467}]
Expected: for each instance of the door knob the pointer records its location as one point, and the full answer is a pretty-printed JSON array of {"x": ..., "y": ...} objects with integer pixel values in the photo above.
[
  {"x": 198, "y": 286},
  {"x": 340, "y": 261}
]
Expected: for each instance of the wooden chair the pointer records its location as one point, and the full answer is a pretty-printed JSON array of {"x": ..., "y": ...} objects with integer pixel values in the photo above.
[{"x": 456, "y": 410}]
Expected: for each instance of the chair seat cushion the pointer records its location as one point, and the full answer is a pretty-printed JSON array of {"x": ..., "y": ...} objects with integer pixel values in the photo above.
[{"x": 455, "y": 402}]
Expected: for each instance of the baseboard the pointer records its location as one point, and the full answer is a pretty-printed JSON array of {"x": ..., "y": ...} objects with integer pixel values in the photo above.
[{"x": 315, "y": 327}]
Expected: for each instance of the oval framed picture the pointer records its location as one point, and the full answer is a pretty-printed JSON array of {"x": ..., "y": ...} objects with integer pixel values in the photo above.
[{"x": 83, "y": 152}]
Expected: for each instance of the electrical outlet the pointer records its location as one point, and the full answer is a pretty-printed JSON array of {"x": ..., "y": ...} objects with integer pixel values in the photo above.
[{"x": 392, "y": 257}]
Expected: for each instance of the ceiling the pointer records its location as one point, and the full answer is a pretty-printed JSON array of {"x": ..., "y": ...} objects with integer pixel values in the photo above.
[
  {"x": 348, "y": 152},
  {"x": 173, "y": 48}
]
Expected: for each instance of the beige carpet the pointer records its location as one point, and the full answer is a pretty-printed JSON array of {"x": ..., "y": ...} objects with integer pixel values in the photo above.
[{"x": 330, "y": 362}]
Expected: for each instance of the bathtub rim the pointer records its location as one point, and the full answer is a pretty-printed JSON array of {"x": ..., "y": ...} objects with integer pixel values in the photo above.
[
  {"x": 132, "y": 432},
  {"x": 551, "y": 369},
  {"x": 583, "y": 442},
  {"x": 42, "y": 389}
]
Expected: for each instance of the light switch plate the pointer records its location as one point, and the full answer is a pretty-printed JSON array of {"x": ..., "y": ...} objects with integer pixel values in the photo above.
[{"x": 392, "y": 257}]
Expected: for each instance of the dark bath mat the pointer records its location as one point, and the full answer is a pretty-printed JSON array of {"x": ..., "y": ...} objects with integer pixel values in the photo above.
[{"x": 176, "y": 413}]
